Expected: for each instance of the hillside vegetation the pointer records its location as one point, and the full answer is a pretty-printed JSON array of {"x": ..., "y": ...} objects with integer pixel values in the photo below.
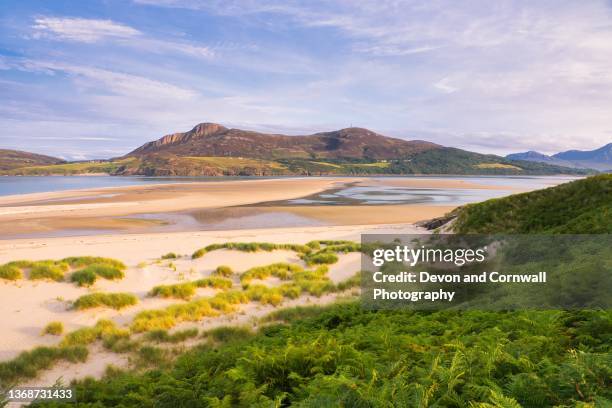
[
  {"x": 12, "y": 159},
  {"x": 582, "y": 206}
]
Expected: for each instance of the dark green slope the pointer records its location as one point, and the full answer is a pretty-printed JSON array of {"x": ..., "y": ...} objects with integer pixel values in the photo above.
[{"x": 582, "y": 206}]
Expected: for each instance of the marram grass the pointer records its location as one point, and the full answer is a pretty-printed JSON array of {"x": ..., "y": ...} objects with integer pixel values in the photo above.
[
  {"x": 112, "y": 300},
  {"x": 54, "y": 329}
]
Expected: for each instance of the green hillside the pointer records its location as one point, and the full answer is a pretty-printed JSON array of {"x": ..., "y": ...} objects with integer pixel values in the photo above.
[{"x": 582, "y": 206}]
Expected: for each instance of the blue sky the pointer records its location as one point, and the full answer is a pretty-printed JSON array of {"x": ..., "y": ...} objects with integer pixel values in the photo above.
[{"x": 95, "y": 79}]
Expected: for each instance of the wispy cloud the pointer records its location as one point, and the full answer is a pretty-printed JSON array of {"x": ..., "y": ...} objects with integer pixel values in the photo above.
[{"x": 81, "y": 29}]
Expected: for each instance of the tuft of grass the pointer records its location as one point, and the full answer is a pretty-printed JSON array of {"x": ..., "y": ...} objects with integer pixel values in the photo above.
[
  {"x": 10, "y": 272},
  {"x": 106, "y": 271},
  {"x": 54, "y": 328},
  {"x": 187, "y": 289},
  {"x": 223, "y": 270},
  {"x": 89, "y": 275},
  {"x": 84, "y": 277},
  {"x": 149, "y": 356},
  {"x": 169, "y": 255},
  {"x": 83, "y": 261},
  {"x": 52, "y": 270},
  {"x": 280, "y": 270},
  {"x": 113, "y": 300},
  {"x": 162, "y": 336},
  {"x": 321, "y": 258},
  {"x": 179, "y": 290},
  {"x": 250, "y": 247},
  {"x": 104, "y": 330},
  {"x": 29, "y": 363}
]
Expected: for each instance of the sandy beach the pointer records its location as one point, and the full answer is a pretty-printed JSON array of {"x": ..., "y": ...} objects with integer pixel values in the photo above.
[
  {"x": 118, "y": 208},
  {"x": 108, "y": 222}
]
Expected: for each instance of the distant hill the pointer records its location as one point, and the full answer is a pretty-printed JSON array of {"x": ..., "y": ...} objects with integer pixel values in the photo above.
[
  {"x": 210, "y": 149},
  {"x": 598, "y": 159},
  {"x": 541, "y": 158},
  {"x": 12, "y": 159},
  {"x": 582, "y": 206}
]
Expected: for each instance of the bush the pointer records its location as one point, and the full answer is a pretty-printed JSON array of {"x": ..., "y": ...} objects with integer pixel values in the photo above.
[
  {"x": 223, "y": 270},
  {"x": 54, "y": 328},
  {"x": 48, "y": 270},
  {"x": 113, "y": 300}
]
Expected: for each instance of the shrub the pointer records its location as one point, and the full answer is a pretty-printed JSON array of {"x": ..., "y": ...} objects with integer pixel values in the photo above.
[
  {"x": 113, "y": 300},
  {"x": 223, "y": 270},
  {"x": 84, "y": 277},
  {"x": 10, "y": 272},
  {"x": 48, "y": 270},
  {"x": 169, "y": 255},
  {"x": 54, "y": 328}
]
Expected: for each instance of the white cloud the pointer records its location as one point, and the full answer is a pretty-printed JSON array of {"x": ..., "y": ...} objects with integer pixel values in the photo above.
[{"x": 81, "y": 29}]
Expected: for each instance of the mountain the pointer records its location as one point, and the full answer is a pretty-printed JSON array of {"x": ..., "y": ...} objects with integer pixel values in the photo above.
[
  {"x": 210, "y": 149},
  {"x": 213, "y": 140},
  {"x": 541, "y": 158},
  {"x": 13, "y": 159},
  {"x": 598, "y": 159}
]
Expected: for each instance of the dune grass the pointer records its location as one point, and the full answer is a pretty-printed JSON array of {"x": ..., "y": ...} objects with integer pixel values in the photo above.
[
  {"x": 112, "y": 300},
  {"x": 162, "y": 336},
  {"x": 187, "y": 289},
  {"x": 53, "y": 270},
  {"x": 169, "y": 255},
  {"x": 10, "y": 272},
  {"x": 29, "y": 363},
  {"x": 223, "y": 270},
  {"x": 54, "y": 329},
  {"x": 104, "y": 330},
  {"x": 281, "y": 270},
  {"x": 89, "y": 274},
  {"x": 82, "y": 261},
  {"x": 250, "y": 247}
]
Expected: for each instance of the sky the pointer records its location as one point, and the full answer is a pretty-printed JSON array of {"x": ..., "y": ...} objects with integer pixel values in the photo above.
[{"x": 97, "y": 78}]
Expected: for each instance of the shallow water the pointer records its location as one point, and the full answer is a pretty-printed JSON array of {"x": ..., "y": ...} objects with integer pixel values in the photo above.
[{"x": 10, "y": 185}]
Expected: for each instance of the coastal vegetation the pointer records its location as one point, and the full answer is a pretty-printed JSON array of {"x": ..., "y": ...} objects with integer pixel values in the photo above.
[
  {"x": 112, "y": 300},
  {"x": 342, "y": 355},
  {"x": 186, "y": 290},
  {"x": 54, "y": 329},
  {"x": 582, "y": 206}
]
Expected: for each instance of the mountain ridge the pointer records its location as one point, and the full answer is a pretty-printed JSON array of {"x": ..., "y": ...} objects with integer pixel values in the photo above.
[{"x": 598, "y": 159}]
